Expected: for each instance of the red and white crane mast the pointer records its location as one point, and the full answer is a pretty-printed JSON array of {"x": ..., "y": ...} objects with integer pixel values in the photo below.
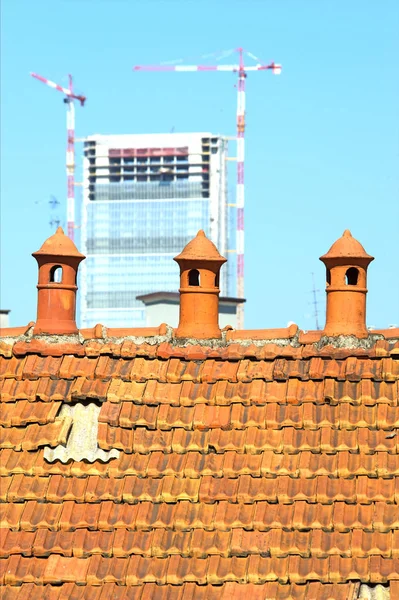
[
  {"x": 70, "y": 151},
  {"x": 241, "y": 69}
]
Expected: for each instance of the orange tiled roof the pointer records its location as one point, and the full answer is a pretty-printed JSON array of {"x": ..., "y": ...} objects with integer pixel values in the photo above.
[
  {"x": 199, "y": 463},
  {"x": 264, "y": 466}
]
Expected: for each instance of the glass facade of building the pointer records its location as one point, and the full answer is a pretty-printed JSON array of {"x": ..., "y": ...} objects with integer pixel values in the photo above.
[{"x": 142, "y": 205}]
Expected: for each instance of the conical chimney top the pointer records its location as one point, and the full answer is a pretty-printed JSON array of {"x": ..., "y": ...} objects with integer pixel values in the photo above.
[
  {"x": 346, "y": 263},
  {"x": 200, "y": 263},
  {"x": 58, "y": 261},
  {"x": 346, "y": 247},
  {"x": 200, "y": 249},
  {"x": 59, "y": 244}
]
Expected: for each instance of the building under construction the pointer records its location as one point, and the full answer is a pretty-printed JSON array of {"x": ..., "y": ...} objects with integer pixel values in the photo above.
[{"x": 145, "y": 197}]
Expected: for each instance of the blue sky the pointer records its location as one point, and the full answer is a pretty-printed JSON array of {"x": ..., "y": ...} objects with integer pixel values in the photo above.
[{"x": 322, "y": 139}]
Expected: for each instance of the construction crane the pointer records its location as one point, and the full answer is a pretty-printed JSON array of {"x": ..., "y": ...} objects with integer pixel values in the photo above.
[
  {"x": 70, "y": 152},
  {"x": 241, "y": 69}
]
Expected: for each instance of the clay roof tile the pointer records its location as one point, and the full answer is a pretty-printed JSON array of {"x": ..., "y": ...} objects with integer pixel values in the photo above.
[{"x": 266, "y": 470}]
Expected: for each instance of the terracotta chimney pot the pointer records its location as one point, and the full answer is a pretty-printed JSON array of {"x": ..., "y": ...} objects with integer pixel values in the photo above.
[
  {"x": 346, "y": 263},
  {"x": 200, "y": 264},
  {"x": 58, "y": 261}
]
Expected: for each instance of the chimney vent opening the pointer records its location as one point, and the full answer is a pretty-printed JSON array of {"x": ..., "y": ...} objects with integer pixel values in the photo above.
[
  {"x": 56, "y": 274},
  {"x": 194, "y": 278},
  {"x": 351, "y": 276},
  {"x": 328, "y": 277}
]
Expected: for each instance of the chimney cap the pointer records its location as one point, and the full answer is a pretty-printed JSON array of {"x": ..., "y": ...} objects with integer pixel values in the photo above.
[
  {"x": 200, "y": 248},
  {"x": 59, "y": 244},
  {"x": 346, "y": 247}
]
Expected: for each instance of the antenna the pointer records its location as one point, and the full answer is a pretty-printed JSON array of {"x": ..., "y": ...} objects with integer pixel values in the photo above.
[
  {"x": 315, "y": 303},
  {"x": 55, "y": 220},
  {"x": 241, "y": 70},
  {"x": 53, "y": 202}
]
